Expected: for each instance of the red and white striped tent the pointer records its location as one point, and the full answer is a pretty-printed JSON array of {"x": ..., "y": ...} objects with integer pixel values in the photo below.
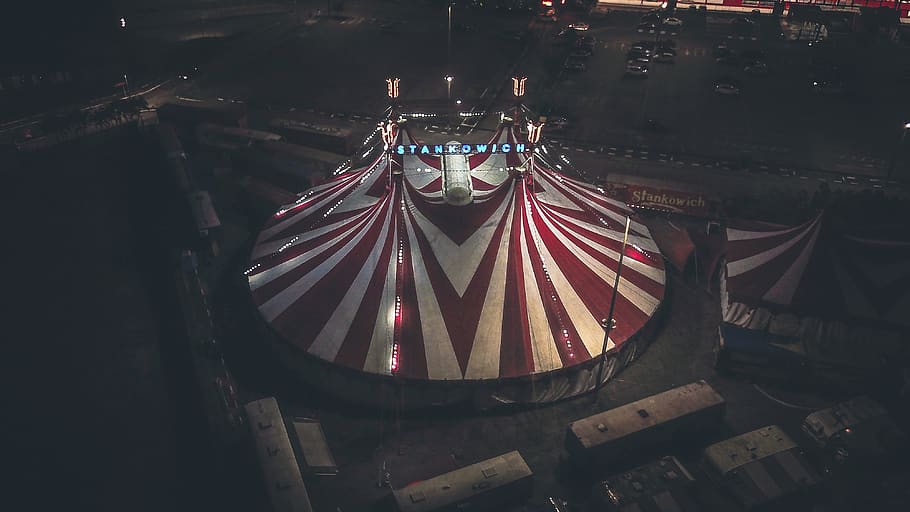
[
  {"x": 385, "y": 271},
  {"x": 812, "y": 269},
  {"x": 847, "y": 298}
]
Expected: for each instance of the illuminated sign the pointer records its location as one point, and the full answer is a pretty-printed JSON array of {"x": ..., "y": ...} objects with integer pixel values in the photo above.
[
  {"x": 639, "y": 196},
  {"x": 458, "y": 149}
]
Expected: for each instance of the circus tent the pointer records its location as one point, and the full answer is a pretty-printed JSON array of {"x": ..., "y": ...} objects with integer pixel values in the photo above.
[
  {"x": 835, "y": 292},
  {"x": 470, "y": 268},
  {"x": 811, "y": 269}
]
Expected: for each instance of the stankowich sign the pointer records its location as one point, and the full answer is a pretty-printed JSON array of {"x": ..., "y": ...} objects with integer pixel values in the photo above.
[{"x": 688, "y": 203}]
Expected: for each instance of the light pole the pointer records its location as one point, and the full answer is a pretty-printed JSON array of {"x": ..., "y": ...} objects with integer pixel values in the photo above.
[
  {"x": 448, "y": 79},
  {"x": 897, "y": 150},
  {"x": 608, "y": 322},
  {"x": 449, "y": 37}
]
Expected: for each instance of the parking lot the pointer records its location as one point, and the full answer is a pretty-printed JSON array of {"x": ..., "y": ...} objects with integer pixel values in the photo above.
[{"x": 777, "y": 115}]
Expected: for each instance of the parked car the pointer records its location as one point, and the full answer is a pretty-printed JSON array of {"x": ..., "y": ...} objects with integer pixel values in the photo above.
[
  {"x": 827, "y": 86},
  {"x": 665, "y": 55},
  {"x": 586, "y": 41},
  {"x": 642, "y": 47},
  {"x": 726, "y": 86},
  {"x": 756, "y": 67},
  {"x": 548, "y": 16},
  {"x": 635, "y": 56},
  {"x": 672, "y": 22},
  {"x": 580, "y": 26},
  {"x": 574, "y": 65},
  {"x": 637, "y": 69},
  {"x": 581, "y": 53},
  {"x": 726, "y": 57},
  {"x": 646, "y": 27}
]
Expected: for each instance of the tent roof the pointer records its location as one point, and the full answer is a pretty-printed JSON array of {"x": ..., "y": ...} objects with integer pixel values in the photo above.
[
  {"x": 816, "y": 269},
  {"x": 376, "y": 272}
]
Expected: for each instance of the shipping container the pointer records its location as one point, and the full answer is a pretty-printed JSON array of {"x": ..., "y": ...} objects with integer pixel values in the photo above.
[
  {"x": 277, "y": 463},
  {"x": 658, "y": 418},
  {"x": 494, "y": 484},
  {"x": 762, "y": 469}
]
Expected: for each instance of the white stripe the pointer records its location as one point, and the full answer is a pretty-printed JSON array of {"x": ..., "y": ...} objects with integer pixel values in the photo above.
[
  {"x": 640, "y": 298},
  {"x": 587, "y": 326},
  {"x": 379, "y": 355},
  {"x": 651, "y": 272},
  {"x": 260, "y": 279},
  {"x": 440, "y": 353},
  {"x": 273, "y": 307},
  {"x": 734, "y": 235},
  {"x": 460, "y": 262},
  {"x": 543, "y": 346},
  {"x": 645, "y": 242},
  {"x": 741, "y": 266},
  {"x": 485, "y": 352},
  {"x": 266, "y": 248},
  {"x": 328, "y": 341},
  {"x": 303, "y": 213}
]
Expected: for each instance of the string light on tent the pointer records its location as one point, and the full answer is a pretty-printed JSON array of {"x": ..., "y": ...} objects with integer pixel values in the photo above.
[
  {"x": 289, "y": 243},
  {"x": 393, "y": 364},
  {"x": 251, "y": 269}
]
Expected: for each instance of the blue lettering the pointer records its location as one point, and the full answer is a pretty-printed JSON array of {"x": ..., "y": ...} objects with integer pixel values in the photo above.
[
  {"x": 399, "y": 149},
  {"x": 437, "y": 149},
  {"x": 520, "y": 148},
  {"x": 494, "y": 149},
  {"x": 506, "y": 148},
  {"x": 481, "y": 148},
  {"x": 413, "y": 148},
  {"x": 452, "y": 148},
  {"x": 466, "y": 148},
  {"x": 424, "y": 150}
]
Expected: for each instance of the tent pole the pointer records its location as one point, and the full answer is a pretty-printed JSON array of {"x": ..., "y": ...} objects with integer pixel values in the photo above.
[{"x": 608, "y": 324}]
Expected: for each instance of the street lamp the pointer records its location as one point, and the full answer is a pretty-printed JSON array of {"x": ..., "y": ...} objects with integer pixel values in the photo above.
[
  {"x": 449, "y": 34},
  {"x": 392, "y": 84},
  {"x": 449, "y": 79},
  {"x": 518, "y": 86},
  {"x": 610, "y": 322},
  {"x": 897, "y": 150}
]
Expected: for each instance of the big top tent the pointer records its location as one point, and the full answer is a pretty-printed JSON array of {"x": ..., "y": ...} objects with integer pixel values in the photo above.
[
  {"x": 456, "y": 268},
  {"x": 843, "y": 298}
]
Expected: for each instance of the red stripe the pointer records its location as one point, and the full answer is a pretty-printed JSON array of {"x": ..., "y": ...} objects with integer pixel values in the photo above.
[
  {"x": 585, "y": 239},
  {"x": 306, "y": 316},
  {"x": 591, "y": 289},
  {"x": 516, "y": 354},
  {"x": 356, "y": 345},
  {"x": 459, "y": 223},
  {"x": 409, "y": 335},
  {"x": 557, "y": 317},
  {"x": 460, "y": 314}
]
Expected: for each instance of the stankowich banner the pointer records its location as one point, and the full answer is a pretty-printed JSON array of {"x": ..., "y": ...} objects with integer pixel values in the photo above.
[{"x": 674, "y": 201}]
